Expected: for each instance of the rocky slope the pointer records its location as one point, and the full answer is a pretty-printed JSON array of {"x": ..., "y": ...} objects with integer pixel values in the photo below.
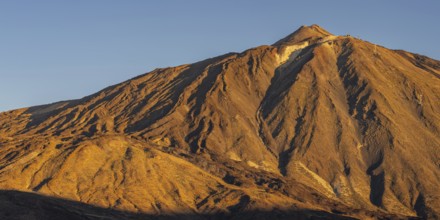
[{"x": 319, "y": 122}]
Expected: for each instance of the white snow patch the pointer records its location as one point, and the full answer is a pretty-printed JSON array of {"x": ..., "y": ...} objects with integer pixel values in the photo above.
[
  {"x": 290, "y": 53},
  {"x": 233, "y": 156},
  {"x": 301, "y": 168},
  {"x": 252, "y": 164}
]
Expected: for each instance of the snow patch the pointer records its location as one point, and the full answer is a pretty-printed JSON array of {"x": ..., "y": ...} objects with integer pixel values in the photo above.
[
  {"x": 252, "y": 164},
  {"x": 301, "y": 168},
  {"x": 233, "y": 156},
  {"x": 289, "y": 53}
]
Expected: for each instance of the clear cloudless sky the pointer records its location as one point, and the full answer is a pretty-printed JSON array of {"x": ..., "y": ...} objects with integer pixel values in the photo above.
[{"x": 53, "y": 50}]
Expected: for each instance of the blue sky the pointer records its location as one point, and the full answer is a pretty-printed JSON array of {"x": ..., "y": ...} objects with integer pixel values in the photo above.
[{"x": 53, "y": 50}]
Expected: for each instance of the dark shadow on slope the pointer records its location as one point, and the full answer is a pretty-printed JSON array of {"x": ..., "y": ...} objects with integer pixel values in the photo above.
[
  {"x": 377, "y": 186},
  {"x": 241, "y": 205},
  {"x": 377, "y": 176},
  {"x": 420, "y": 207},
  {"x": 286, "y": 76},
  {"x": 284, "y": 156},
  {"x": 283, "y": 80},
  {"x": 357, "y": 89},
  {"x": 41, "y": 113},
  {"x": 422, "y": 62},
  {"x": 44, "y": 182},
  {"x": 200, "y": 129},
  {"x": 169, "y": 101},
  {"x": 24, "y": 205},
  {"x": 362, "y": 108}
]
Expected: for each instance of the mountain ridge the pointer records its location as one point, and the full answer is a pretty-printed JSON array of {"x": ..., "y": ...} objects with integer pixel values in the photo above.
[{"x": 313, "y": 121}]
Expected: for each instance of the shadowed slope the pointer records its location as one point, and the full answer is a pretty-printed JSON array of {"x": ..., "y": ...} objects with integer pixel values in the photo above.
[{"x": 17, "y": 205}]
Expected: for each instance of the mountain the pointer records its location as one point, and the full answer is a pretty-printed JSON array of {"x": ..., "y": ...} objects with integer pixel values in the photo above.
[{"x": 314, "y": 126}]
